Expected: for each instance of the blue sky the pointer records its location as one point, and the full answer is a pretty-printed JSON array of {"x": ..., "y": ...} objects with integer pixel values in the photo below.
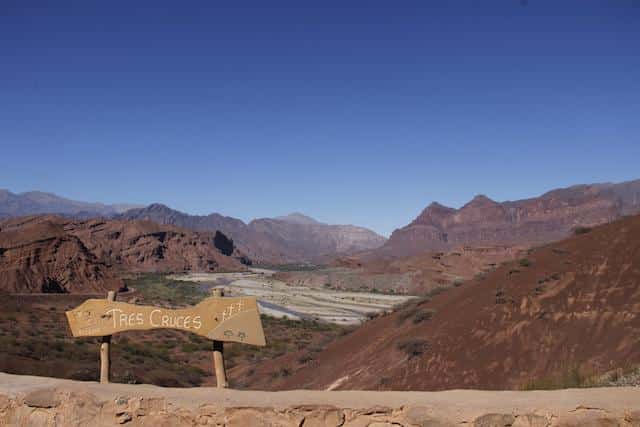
[{"x": 352, "y": 112}]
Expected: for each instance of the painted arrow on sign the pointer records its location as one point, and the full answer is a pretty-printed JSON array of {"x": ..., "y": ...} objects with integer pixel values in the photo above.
[{"x": 220, "y": 319}]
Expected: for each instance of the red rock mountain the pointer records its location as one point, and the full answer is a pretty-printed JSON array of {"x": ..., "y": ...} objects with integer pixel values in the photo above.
[
  {"x": 570, "y": 306},
  {"x": 289, "y": 239},
  {"x": 542, "y": 219},
  {"x": 54, "y": 254}
]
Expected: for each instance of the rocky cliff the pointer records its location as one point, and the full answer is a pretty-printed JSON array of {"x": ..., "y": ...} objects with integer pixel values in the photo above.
[
  {"x": 54, "y": 254},
  {"x": 542, "y": 219},
  {"x": 41, "y": 256}
]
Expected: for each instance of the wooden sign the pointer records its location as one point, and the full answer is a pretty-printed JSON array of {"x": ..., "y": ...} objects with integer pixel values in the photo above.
[{"x": 220, "y": 319}]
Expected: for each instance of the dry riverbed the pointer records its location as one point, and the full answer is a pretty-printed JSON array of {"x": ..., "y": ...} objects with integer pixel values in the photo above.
[{"x": 280, "y": 299}]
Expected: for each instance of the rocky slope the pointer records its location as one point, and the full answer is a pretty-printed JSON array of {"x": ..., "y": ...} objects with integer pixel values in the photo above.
[
  {"x": 289, "y": 239},
  {"x": 37, "y": 401},
  {"x": 41, "y": 256},
  {"x": 38, "y": 202},
  {"x": 54, "y": 254},
  {"x": 414, "y": 275},
  {"x": 568, "y": 311},
  {"x": 542, "y": 219}
]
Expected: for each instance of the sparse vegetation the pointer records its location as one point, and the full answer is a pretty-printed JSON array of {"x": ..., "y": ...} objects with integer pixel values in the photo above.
[
  {"x": 409, "y": 309},
  {"x": 570, "y": 377},
  {"x": 581, "y": 230},
  {"x": 413, "y": 347},
  {"x": 481, "y": 275},
  {"x": 524, "y": 262},
  {"x": 437, "y": 291},
  {"x": 423, "y": 315},
  {"x": 162, "y": 357},
  {"x": 160, "y": 289}
]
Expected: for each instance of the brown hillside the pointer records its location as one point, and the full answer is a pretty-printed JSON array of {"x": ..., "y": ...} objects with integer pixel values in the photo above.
[
  {"x": 571, "y": 306},
  {"x": 415, "y": 275},
  {"x": 39, "y": 255},
  {"x": 53, "y": 254}
]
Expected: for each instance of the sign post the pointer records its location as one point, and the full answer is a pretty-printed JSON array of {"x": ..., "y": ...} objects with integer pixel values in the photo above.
[
  {"x": 218, "y": 353},
  {"x": 219, "y": 319},
  {"x": 105, "y": 350}
]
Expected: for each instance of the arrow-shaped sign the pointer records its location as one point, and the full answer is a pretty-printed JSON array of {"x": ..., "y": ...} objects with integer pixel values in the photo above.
[{"x": 221, "y": 319}]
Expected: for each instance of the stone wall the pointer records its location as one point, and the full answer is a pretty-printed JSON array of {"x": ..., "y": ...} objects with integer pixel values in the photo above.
[{"x": 33, "y": 401}]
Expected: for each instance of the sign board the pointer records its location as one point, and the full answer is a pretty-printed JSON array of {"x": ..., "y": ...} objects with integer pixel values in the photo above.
[{"x": 221, "y": 319}]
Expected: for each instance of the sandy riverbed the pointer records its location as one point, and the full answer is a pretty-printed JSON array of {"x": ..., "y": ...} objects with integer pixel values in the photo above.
[{"x": 280, "y": 299}]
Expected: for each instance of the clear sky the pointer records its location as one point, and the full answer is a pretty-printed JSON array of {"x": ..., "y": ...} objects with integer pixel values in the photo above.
[{"x": 351, "y": 112}]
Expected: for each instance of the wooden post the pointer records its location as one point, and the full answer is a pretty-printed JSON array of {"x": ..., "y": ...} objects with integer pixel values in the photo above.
[
  {"x": 218, "y": 353},
  {"x": 105, "y": 350}
]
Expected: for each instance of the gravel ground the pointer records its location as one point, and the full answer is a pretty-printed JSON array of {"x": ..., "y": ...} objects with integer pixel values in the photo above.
[{"x": 283, "y": 300}]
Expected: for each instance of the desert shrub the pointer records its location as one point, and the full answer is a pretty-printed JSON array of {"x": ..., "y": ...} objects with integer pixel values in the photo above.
[
  {"x": 458, "y": 281},
  {"x": 581, "y": 230},
  {"x": 189, "y": 347},
  {"x": 409, "y": 309},
  {"x": 384, "y": 381},
  {"x": 437, "y": 291},
  {"x": 282, "y": 372},
  {"x": 423, "y": 315},
  {"x": 524, "y": 262},
  {"x": 305, "y": 358},
  {"x": 570, "y": 377},
  {"x": 87, "y": 374},
  {"x": 406, "y": 313},
  {"x": 371, "y": 315},
  {"x": 480, "y": 275},
  {"x": 413, "y": 347}
]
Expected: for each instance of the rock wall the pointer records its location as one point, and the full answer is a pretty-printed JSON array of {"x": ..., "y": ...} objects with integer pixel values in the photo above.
[{"x": 36, "y": 401}]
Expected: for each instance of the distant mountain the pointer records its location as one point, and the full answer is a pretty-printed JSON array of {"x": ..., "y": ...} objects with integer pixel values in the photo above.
[
  {"x": 289, "y": 239},
  {"x": 542, "y": 219},
  {"x": 54, "y": 254},
  {"x": 37, "y": 202},
  {"x": 297, "y": 218}
]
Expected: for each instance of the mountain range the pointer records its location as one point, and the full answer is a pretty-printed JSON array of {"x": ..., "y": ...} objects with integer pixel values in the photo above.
[
  {"x": 533, "y": 221},
  {"x": 294, "y": 238},
  {"x": 297, "y": 238},
  {"x": 38, "y": 202}
]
